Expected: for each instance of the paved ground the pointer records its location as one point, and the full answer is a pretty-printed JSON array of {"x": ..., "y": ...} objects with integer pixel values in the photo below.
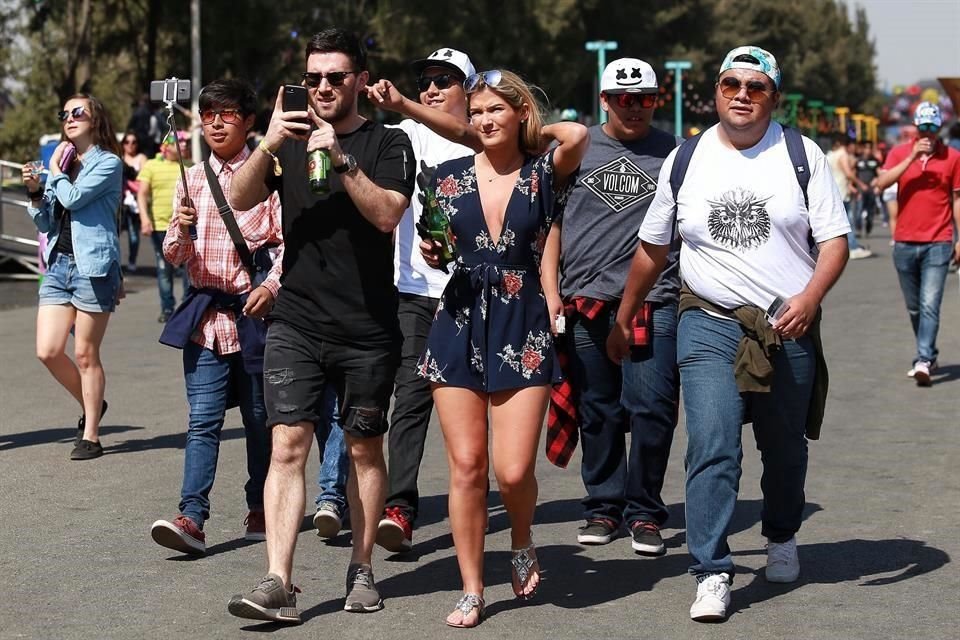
[{"x": 77, "y": 561}]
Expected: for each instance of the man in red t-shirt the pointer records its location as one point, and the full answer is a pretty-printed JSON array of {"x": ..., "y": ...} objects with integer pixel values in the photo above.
[{"x": 927, "y": 173}]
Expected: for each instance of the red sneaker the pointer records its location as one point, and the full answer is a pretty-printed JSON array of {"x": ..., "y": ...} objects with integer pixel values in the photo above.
[
  {"x": 395, "y": 531},
  {"x": 182, "y": 534},
  {"x": 256, "y": 525}
]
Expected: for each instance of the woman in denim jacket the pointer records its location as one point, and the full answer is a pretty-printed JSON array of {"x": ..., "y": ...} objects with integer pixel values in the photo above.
[{"x": 77, "y": 210}]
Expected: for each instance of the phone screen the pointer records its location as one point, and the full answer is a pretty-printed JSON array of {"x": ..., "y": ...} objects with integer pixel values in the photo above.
[{"x": 295, "y": 99}]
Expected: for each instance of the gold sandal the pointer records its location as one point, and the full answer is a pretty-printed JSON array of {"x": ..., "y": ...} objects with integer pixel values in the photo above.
[
  {"x": 523, "y": 561},
  {"x": 467, "y": 603}
]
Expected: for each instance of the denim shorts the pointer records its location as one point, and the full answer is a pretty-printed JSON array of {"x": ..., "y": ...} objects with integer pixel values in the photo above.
[
  {"x": 62, "y": 284},
  {"x": 297, "y": 370}
]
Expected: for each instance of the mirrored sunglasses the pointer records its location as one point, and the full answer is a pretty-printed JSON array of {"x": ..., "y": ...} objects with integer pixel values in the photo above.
[
  {"x": 756, "y": 91},
  {"x": 627, "y": 100},
  {"x": 228, "y": 116},
  {"x": 484, "y": 78},
  {"x": 335, "y": 78},
  {"x": 928, "y": 127},
  {"x": 441, "y": 81},
  {"x": 77, "y": 113}
]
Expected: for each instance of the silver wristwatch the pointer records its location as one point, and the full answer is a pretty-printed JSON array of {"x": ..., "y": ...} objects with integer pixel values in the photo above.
[{"x": 349, "y": 164}]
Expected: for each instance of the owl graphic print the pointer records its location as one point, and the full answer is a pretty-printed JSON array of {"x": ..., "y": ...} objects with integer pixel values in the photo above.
[{"x": 738, "y": 219}]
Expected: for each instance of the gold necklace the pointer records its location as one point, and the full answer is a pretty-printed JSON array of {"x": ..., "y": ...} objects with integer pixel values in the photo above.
[{"x": 501, "y": 175}]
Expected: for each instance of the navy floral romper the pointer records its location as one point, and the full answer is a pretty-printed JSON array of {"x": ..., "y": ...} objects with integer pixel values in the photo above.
[{"x": 492, "y": 331}]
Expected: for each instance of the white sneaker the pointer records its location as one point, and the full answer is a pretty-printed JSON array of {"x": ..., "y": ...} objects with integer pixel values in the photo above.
[
  {"x": 921, "y": 373},
  {"x": 713, "y": 598},
  {"x": 932, "y": 366},
  {"x": 327, "y": 520},
  {"x": 783, "y": 565},
  {"x": 859, "y": 253}
]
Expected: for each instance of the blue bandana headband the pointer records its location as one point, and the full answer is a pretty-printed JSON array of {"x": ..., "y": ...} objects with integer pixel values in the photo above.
[{"x": 765, "y": 62}]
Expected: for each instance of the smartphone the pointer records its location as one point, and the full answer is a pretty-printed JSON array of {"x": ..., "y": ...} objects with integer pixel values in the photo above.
[
  {"x": 170, "y": 90},
  {"x": 295, "y": 99},
  {"x": 66, "y": 158},
  {"x": 776, "y": 310}
]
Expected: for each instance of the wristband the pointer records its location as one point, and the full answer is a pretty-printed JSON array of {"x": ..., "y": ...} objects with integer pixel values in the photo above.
[
  {"x": 277, "y": 169},
  {"x": 35, "y": 195}
]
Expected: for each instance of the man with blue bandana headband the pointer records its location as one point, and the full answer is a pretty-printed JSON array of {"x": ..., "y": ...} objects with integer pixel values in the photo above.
[{"x": 748, "y": 331}]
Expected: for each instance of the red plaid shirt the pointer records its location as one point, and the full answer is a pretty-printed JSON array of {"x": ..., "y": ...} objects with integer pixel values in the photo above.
[
  {"x": 212, "y": 259},
  {"x": 562, "y": 422}
]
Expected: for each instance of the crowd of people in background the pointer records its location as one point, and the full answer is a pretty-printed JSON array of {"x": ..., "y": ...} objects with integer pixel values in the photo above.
[{"x": 601, "y": 277}]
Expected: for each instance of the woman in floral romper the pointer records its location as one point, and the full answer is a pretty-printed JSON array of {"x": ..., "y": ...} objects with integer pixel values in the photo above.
[{"x": 491, "y": 346}]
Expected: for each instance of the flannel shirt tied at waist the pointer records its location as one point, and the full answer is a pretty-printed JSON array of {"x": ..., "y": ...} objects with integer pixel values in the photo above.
[
  {"x": 752, "y": 368},
  {"x": 562, "y": 422},
  {"x": 251, "y": 332}
]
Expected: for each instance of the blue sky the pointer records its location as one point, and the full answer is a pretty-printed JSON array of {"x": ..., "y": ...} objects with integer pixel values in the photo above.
[{"x": 916, "y": 40}]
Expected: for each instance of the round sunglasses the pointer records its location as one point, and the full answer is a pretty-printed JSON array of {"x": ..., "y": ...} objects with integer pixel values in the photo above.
[{"x": 756, "y": 91}]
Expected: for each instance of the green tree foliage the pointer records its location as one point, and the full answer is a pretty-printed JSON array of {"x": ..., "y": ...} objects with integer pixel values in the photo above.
[{"x": 114, "y": 48}]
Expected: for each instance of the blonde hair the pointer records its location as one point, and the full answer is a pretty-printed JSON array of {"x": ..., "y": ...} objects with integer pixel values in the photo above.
[{"x": 516, "y": 92}]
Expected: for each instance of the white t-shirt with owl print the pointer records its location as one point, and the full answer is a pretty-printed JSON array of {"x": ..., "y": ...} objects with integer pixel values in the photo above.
[{"x": 745, "y": 230}]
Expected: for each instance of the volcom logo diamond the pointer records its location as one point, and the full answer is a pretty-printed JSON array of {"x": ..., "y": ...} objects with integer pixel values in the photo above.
[{"x": 620, "y": 183}]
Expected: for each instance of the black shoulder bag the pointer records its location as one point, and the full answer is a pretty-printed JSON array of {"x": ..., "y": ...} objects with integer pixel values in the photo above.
[{"x": 259, "y": 263}]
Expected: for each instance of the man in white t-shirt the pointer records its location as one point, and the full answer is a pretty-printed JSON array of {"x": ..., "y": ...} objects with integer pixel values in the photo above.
[
  {"x": 754, "y": 281},
  {"x": 440, "y": 79}
]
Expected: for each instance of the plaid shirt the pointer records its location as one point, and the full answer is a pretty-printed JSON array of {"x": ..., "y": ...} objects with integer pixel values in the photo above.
[
  {"x": 212, "y": 260},
  {"x": 562, "y": 421}
]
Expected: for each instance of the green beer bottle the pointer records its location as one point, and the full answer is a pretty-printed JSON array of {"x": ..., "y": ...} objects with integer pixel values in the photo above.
[
  {"x": 438, "y": 225},
  {"x": 318, "y": 169}
]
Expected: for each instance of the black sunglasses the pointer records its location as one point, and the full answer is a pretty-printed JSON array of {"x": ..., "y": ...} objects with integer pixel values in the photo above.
[
  {"x": 441, "y": 80},
  {"x": 78, "y": 113},
  {"x": 756, "y": 91},
  {"x": 335, "y": 78},
  {"x": 476, "y": 81}
]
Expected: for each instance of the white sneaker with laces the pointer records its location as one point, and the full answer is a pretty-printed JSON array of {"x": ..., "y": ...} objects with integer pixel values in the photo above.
[
  {"x": 713, "y": 598},
  {"x": 859, "y": 253},
  {"x": 921, "y": 373},
  {"x": 783, "y": 565}
]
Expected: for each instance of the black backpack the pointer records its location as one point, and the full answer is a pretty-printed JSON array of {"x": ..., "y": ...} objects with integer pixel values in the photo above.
[{"x": 798, "y": 158}]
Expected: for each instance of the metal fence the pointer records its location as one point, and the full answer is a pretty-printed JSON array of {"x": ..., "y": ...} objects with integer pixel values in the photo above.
[{"x": 19, "y": 257}]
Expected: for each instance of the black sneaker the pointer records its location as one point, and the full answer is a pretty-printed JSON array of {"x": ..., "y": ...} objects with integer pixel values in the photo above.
[
  {"x": 362, "y": 594},
  {"x": 82, "y": 423},
  {"x": 86, "y": 450},
  {"x": 269, "y": 600},
  {"x": 598, "y": 531},
  {"x": 646, "y": 538}
]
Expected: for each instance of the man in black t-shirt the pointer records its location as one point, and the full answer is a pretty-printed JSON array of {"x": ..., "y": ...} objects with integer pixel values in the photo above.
[
  {"x": 335, "y": 320},
  {"x": 866, "y": 169}
]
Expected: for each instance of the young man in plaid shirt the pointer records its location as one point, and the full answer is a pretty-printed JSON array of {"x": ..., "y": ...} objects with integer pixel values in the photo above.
[{"x": 222, "y": 365}]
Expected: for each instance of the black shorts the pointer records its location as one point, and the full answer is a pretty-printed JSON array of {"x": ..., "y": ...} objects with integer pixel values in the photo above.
[{"x": 297, "y": 369}]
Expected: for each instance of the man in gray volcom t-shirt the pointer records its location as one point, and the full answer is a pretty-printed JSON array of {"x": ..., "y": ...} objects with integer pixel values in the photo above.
[{"x": 609, "y": 199}]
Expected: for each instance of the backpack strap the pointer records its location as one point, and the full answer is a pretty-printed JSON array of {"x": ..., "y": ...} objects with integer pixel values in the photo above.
[
  {"x": 681, "y": 162},
  {"x": 798, "y": 158},
  {"x": 229, "y": 220}
]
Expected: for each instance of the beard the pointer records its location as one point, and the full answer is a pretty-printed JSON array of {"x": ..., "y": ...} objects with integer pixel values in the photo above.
[{"x": 338, "y": 110}]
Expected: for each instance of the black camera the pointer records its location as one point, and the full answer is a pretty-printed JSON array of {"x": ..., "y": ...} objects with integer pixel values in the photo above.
[{"x": 170, "y": 90}]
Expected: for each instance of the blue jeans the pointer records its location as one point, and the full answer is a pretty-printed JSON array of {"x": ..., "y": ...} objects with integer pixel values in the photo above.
[
  {"x": 639, "y": 396},
  {"x": 214, "y": 383},
  {"x": 852, "y": 243},
  {"x": 334, "y": 464},
  {"x": 715, "y": 411},
  {"x": 922, "y": 269},
  {"x": 165, "y": 272}
]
